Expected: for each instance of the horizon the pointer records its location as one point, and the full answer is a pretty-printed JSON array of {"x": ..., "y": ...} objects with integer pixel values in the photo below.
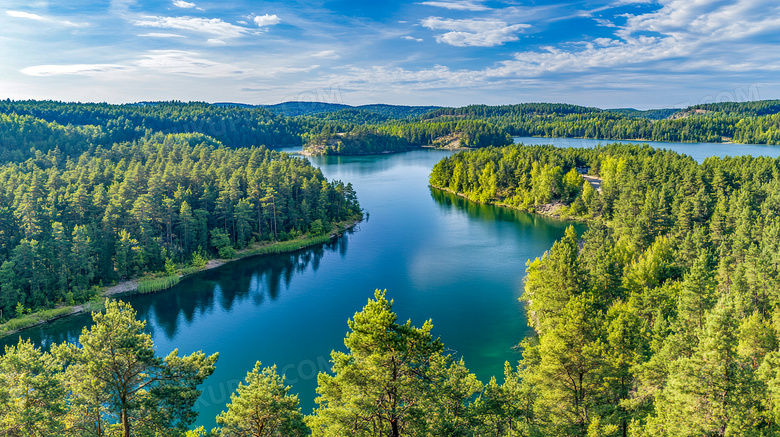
[
  {"x": 641, "y": 54},
  {"x": 358, "y": 106}
]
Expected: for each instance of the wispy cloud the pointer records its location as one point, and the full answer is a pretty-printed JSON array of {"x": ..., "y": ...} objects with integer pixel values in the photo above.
[
  {"x": 463, "y": 5},
  {"x": 474, "y": 32},
  {"x": 74, "y": 69},
  {"x": 36, "y": 17},
  {"x": 179, "y": 62},
  {"x": 209, "y": 26},
  {"x": 267, "y": 20},
  {"x": 411, "y": 38},
  {"x": 161, "y": 35},
  {"x": 20, "y": 14},
  {"x": 327, "y": 54}
]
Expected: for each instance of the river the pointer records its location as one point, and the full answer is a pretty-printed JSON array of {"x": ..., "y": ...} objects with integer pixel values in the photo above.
[{"x": 440, "y": 257}]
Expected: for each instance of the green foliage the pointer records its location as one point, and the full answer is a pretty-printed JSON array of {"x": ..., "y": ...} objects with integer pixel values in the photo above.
[
  {"x": 118, "y": 384},
  {"x": 662, "y": 320},
  {"x": 262, "y": 407},
  {"x": 190, "y": 270},
  {"x": 71, "y": 222},
  {"x": 110, "y": 383},
  {"x": 395, "y": 380},
  {"x": 28, "y": 320},
  {"x": 32, "y": 393},
  {"x": 157, "y": 284}
]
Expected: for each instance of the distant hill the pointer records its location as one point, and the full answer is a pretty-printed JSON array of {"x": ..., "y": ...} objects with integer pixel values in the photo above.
[
  {"x": 650, "y": 114},
  {"x": 736, "y": 109},
  {"x": 294, "y": 109},
  {"x": 512, "y": 110}
]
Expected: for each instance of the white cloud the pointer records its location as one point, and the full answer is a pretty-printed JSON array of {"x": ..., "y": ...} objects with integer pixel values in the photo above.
[
  {"x": 210, "y": 26},
  {"x": 327, "y": 54},
  {"x": 474, "y": 32},
  {"x": 686, "y": 37},
  {"x": 36, "y": 17},
  {"x": 267, "y": 20},
  {"x": 215, "y": 42},
  {"x": 604, "y": 23},
  {"x": 183, "y": 4},
  {"x": 686, "y": 41},
  {"x": 20, "y": 14},
  {"x": 161, "y": 35},
  {"x": 463, "y": 5},
  {"x": 74, "y": 69},
  {"x": 411, "y": 38}
]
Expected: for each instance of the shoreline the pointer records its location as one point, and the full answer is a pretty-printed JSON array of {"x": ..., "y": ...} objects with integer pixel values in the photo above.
[
  {"x": 545, "y": 213},
  {"x": 130, "y": 287}
]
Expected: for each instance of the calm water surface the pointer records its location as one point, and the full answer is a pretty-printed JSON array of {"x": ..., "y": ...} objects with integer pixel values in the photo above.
[{"x": 439, "y": 257}]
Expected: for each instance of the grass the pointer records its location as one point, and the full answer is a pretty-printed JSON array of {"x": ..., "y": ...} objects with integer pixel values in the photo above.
[
  {"x": 152, "y": 285},
  {"x": 32, "y": 319},
  {"x": 190, "y": 270},
  {"x": 284, "y": 246}
]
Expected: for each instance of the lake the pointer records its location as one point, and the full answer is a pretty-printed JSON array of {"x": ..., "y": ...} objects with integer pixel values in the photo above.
[
  {"x": 697, "y": 151},
  {"x": 440, "y": 257}
]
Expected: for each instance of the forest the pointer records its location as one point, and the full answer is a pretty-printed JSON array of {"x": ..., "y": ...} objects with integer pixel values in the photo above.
[
  {"x": 663, "y": 318},
  {"x": 70, "y": 224}
]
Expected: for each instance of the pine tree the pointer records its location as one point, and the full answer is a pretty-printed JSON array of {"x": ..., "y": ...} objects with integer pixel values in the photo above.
[
  {"x": 262, "y": 408},
  {"x": 118, "y": 383}
]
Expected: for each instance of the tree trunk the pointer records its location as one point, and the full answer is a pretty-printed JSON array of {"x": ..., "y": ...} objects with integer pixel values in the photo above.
[{"x": 125, "y": 423}]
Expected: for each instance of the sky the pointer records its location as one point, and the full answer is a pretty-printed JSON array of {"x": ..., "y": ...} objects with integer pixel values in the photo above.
[{"x": 604, "y": 53}]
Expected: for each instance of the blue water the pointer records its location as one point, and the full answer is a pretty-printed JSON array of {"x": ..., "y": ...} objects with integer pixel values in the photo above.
[{"x": 697, "y": 151}]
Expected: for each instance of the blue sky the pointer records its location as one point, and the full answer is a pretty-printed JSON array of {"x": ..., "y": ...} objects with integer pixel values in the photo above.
[{"x": 619, "y": 53}]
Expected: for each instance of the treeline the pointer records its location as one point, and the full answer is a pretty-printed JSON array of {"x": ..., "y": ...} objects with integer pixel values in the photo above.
[
  {"x": 358, "y": 141},
  {"x": 742, "y": 109},
  {"x": 69, "y": 223},
  {"x": 663, "y": 319},
  {"x": 22, "y": 136},
  {"x": 355, "y": 139},
  {"x": 750, "y": 122},
  {"x": 233, "y": 126}
]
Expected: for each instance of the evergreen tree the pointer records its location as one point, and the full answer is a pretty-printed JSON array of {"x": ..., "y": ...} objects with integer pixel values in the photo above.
[{"x": 262, "y": 407}]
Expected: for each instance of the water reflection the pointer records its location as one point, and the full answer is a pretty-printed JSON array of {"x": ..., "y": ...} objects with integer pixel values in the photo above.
[
  {"x": 450, "y": 203},
  {"x": 259, "y": 280}
]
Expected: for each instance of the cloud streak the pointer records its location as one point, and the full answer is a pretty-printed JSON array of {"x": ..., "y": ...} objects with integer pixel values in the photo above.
[
  {"x": 458, "y": 5},
  {"x": 74, "y": 69},
  {"x": 42, "y": 18}
]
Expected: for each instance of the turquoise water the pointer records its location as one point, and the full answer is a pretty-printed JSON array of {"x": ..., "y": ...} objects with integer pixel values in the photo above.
[{"x": 439, "y": 257}]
